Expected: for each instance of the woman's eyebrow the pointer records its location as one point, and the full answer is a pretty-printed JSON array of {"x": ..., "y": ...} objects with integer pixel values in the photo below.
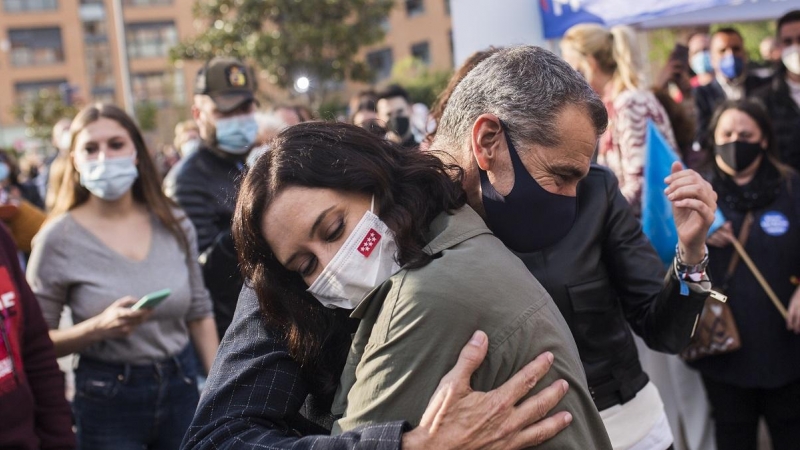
[
  {"x": 314, "y": 227},
  {"x": 319, "y": 220}
]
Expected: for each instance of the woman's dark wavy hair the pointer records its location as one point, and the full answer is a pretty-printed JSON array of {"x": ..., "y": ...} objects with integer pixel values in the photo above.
[{"x": 411, "y": 188}]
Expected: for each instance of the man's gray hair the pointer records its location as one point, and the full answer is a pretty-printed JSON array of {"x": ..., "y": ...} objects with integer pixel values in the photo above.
[{"x": 526, "y": 87}]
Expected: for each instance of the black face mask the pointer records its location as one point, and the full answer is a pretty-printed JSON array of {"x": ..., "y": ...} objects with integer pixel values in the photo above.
[
  {"x": 399, "y": 124},
  {"x": 738, "y": 155},
  {"x": 529, "y": 218}
]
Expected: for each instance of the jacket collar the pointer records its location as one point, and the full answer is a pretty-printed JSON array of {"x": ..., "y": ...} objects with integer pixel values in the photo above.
[
  {"x": 449, "y": 230},
  {"x": 446, "y": 231}
]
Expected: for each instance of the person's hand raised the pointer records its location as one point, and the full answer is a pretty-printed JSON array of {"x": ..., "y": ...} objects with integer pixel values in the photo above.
[{"x": 694, "y": 203}]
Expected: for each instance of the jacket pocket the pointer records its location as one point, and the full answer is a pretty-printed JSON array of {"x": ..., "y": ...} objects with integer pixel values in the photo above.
[
  {"x": 597, "y": 324},
  {"x": 591, "y": 297}
]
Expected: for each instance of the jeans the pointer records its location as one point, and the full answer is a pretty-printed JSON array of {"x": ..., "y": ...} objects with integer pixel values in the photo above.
[
  {"x": 124, "y": 406},
  {"x": 736, "y": 411}
]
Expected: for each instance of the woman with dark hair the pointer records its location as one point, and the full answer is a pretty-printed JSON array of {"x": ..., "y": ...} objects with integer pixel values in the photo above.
[
  {"x": 114, "y": 237},
  {"x": 334, "y": 222},
  {"x": 762, "y": 378}
]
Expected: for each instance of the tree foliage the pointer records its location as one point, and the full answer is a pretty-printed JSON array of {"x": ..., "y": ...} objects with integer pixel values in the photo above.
[
  {"x": 40, "y": 115},
  {"x": 319, "y": 39},
  {"x": 146, "y": 115},
  {"x": 422, "y": 83}
]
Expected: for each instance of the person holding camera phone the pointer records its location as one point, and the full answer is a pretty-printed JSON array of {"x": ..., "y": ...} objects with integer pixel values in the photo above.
[{"x": 115, "y": 237}]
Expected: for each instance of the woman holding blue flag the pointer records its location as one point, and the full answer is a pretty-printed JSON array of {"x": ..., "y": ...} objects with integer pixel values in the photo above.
[{"x": 756, "y": 193}]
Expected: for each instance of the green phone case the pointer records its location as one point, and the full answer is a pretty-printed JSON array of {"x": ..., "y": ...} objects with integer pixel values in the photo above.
[{"x": 152, "y": 299}]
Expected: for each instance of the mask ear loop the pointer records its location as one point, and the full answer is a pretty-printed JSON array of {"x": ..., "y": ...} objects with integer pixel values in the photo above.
[{"x": 372, "y": 205}]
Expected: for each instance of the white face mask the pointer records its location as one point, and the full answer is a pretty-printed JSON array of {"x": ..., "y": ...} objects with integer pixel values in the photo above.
[
  {"x": 791, "y": 58},
  {"x": 366, "y": 260},
  {"x": 109, "y": 179}
]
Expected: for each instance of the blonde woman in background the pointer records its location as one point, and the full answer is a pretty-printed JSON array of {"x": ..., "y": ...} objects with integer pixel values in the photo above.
[{"x": 609, "y": 60}]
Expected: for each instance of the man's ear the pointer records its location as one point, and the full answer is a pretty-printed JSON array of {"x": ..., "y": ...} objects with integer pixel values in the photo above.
[{"x": 487, "y": 140}]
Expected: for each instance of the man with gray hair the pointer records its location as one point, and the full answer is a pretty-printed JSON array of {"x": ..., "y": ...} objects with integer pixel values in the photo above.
[{"x": 524, "y": 127}]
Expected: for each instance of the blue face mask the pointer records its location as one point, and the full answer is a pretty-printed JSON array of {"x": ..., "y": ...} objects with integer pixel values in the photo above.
[
  {"x": 5, "y": 171},
  {"x": 731, "y": 66},
  {"x": 701, "y": 63},
  {"x": 235, "y": 135},
  {"x": 529, "y": 218},
  {"x": 109, "y": 179}
]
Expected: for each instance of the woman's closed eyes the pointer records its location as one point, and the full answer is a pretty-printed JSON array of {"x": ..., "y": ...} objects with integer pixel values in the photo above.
[{"x": 330, "y": 234}]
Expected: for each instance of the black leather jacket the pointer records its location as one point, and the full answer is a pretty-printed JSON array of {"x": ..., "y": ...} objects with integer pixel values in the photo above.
[
  {"x": 607, "y": 279},
  {"x": 204, "y": 185}
]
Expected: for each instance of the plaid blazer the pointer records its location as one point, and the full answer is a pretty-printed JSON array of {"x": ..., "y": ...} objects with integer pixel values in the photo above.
[{"x": 255, "y": 389}]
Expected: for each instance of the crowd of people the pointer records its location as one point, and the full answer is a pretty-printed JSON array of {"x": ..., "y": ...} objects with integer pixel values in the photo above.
[{"x": 471, "y": 276}]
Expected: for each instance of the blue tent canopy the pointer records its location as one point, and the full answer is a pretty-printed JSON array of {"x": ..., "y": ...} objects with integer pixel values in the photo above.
[{"x": 559, "y": 15}]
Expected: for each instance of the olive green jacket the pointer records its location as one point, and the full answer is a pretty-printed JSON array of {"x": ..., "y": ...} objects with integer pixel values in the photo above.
[{"x": 414, "y": 325}]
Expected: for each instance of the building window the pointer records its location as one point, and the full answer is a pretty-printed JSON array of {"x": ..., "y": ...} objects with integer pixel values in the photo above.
[
  {"x": 160, "y": 88},
  {"x": 27, "y": 93},
  {"x": 95, "y": 31},
  {"x": 29, "y": 5},
  {"x": 153, "y": 39},
  {"x": 422, "y": 52},
  {"x": 415, "y": 7},
  {"x": 447, "y": 7},
  {"x": 380, "y": 61},
  {"x": 104, "y": 95},
  {"x": 36, "y": 46},
  {"x": 146, "y": 2}
]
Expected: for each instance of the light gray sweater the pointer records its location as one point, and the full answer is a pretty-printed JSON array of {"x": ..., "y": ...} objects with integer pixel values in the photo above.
[{"x": 70, "y": 266}]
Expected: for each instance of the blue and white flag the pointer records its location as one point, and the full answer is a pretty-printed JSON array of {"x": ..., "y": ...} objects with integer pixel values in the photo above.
[{"x": 658, "y": 222}]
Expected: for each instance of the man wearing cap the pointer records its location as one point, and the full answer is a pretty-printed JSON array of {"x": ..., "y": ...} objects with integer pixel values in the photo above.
[{"x": 204, "y": 184}]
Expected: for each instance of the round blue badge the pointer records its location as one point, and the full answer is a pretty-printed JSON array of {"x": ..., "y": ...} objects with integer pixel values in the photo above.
[{"x": 774, "y": 223}]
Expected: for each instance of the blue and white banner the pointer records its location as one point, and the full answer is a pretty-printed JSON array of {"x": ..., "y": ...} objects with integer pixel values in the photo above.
[{"x": 559, "y": 15}]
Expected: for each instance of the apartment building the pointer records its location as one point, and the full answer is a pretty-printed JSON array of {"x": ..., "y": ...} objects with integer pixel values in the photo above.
[
  {"x": 71, "y": 46},
  {"x": 415, "y": 28}
]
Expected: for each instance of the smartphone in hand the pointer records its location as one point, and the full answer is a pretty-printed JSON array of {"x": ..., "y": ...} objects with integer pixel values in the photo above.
[{"x": 152, "y": 299}]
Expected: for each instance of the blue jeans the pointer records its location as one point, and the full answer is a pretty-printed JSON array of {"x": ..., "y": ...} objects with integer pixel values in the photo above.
[{"x": 124, "y": 406}]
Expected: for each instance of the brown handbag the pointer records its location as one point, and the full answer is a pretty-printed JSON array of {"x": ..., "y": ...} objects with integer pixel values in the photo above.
[{"x": 715, "y": 331}]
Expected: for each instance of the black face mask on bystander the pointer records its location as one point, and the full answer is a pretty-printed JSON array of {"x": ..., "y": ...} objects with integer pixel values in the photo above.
[
  {"x": 399, "y": 124},
  {"x": 738, "y": 155},
  {"x": 529, "y": 218}
]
